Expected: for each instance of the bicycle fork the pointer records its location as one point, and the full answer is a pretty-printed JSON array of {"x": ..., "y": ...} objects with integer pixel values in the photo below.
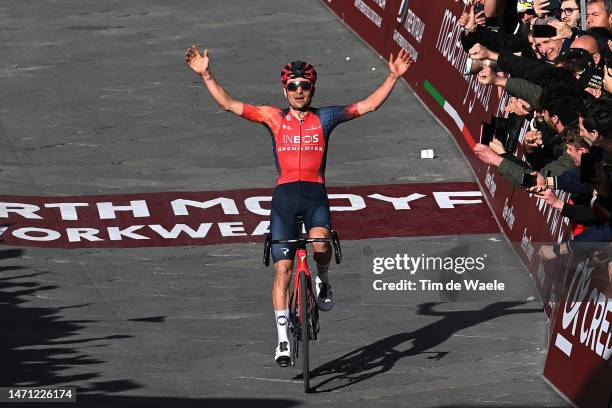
[{"x": 296, "y": 302}]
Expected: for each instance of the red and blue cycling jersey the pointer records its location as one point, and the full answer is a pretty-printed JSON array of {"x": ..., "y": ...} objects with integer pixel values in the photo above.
[{"x": 300, "y": 146}]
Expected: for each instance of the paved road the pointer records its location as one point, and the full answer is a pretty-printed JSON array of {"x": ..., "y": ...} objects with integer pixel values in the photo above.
[{"x": 96, "y": 99}]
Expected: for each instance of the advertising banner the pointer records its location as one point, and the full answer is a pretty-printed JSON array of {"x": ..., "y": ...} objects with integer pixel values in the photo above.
[
  {"x": 219, "y": 217},
  {"x": 581, "y": 341}
]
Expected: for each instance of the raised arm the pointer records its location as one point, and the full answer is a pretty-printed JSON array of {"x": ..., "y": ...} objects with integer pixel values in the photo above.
[
  {"x": 397, "y": 68},
  {"x": 199, "y": 63}
]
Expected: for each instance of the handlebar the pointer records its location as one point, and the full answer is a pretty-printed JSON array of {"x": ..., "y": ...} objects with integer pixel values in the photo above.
[{"x": 334, "y": 240}]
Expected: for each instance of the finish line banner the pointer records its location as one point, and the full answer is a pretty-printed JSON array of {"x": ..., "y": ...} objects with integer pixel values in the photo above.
[{"x": 220, "y": 217}]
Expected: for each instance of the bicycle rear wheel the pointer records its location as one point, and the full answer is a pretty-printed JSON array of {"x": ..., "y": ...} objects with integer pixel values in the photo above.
[{"x": 304, "y": 319}]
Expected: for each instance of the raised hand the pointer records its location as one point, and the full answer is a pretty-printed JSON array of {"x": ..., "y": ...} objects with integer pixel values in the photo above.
[
  {"x": 468, "y": 19},
  {"x": 533, "y": 139},
  {"x": 487, "y": 155},
  {"x": 551, "y": 198},
  {"x": 479, "y": 52},
  {"x": 541, "y": 7},
  {"x": 197, "y": 60},
  {"x": 563, "y": 30},
  {"x": 400, "y": 65},
  {"x": 522, "y": 108},
  {"x": 486, "y": 76},
  {"x": 497, "y": 146}
]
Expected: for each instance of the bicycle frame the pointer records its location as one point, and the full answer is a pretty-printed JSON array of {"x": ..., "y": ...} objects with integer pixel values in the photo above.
[{"x": 298, "y": 290}]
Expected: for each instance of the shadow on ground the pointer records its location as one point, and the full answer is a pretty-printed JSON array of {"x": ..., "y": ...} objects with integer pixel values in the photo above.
[
  {"x": 380, "y": 357},
  {"x": 38, "y": 346}
]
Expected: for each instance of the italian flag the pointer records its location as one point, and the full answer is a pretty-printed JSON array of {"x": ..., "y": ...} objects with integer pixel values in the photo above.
[{"x": 448, "y": 108}]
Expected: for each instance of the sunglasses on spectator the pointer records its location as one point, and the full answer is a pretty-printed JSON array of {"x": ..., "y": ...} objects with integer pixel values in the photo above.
[
  {"x": 569, "y": 10},
  {"x": 293, "y": 86}
]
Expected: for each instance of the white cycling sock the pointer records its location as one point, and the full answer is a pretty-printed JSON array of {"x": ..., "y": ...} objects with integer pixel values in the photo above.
[
  {"x": 322, "y": 272},
  {"x": 282, "y": 324}
]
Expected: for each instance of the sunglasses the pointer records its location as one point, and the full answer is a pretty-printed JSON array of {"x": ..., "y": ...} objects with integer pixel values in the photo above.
[{"x": 293, "y": 86}]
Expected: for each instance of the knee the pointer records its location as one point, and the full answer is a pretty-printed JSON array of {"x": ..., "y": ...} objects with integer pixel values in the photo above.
[{"x": 320, "y": 246}]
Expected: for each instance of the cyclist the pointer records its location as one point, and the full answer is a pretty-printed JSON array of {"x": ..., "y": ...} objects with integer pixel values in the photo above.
[{"x": 300, "y": 136}]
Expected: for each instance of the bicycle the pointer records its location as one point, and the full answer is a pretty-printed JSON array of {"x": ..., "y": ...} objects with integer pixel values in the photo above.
[{"x": 303, "y": 310}]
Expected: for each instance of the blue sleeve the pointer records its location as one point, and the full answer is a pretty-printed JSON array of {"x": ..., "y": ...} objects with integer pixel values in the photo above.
[
  {"x": 570, "y": 181},
  {"x": 331, "y": 116}
]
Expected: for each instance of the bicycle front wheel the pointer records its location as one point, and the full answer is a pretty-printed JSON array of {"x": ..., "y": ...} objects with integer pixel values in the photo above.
[{"x": 304, "y": 319}]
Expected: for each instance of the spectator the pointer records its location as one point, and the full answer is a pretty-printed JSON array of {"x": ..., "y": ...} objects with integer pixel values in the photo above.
[
  {"x": 570, "y": 13},
  {"x": 599, "y": 14},
  {"x": 589, "y": 43}
]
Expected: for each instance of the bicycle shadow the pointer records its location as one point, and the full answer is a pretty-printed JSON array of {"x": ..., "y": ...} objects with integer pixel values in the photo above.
[{"x": 380, "y": 357}]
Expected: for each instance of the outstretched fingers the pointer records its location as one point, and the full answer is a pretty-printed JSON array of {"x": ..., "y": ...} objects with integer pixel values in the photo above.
[
  {"x": 193, "y": 52},
  {"x": 405, "y": 56}
]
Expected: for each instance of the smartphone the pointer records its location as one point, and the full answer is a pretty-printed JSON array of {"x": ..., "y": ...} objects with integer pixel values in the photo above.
[
  {"x": 529, "y": 180},
  {"x": 544, "y": 31},
  {"x": 553, "y": 5},
  {"x": 500, "y": 129},
  {"x": 478, "y": 8},
  {"x": 487, "y": 133}
]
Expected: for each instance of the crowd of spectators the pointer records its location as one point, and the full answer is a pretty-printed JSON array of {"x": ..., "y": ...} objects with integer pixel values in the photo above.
[{"x": 558, "y": 130}]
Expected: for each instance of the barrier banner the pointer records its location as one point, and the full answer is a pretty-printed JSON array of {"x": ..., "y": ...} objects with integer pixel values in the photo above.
[
  {"x": 370, "y": 19},
  {"x": 581, "y": 340},
  {"x": 429, "y": 31}
]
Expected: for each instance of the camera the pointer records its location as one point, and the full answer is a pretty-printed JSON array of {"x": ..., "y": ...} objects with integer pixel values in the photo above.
[{"x": 475, "y": 66}]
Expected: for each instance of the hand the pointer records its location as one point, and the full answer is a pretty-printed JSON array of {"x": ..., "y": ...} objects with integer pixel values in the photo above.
[
  {"x": 486, "y": 76},
  {"x": 400, "y": 65},
  {"x": 198, "y": 61},
  {"x": 540, "y": 180},
  {"x": 563, "y": 30},
  {"x": 541, "y": 184},
  {"x": 467, "y": 19},
  {"x": 546, "y": 252},
  {"x": 533, "y": 139},
  {"x": 522, "y": 107},
  {"x": 480, "y": 52},
  {"x": 510, "y": 106},
  {"x": 608, "y": 78},
  {"x": 487, "y": 155},
  {"x": 497, "y": 146},
  {"x": 551, "y": 198},
  {"x": 540, "y": 7}
]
